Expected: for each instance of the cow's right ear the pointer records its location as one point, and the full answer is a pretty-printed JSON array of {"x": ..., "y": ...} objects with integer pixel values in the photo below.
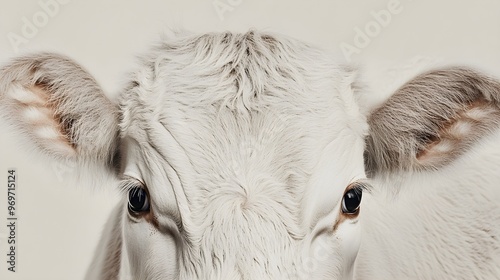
[
  {"x": 431, "y": 120},
  {"x": 60, "y": 108}
]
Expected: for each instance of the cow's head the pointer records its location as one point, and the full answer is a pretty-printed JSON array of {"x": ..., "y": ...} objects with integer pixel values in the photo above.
[{"x": 240, "y": 156}]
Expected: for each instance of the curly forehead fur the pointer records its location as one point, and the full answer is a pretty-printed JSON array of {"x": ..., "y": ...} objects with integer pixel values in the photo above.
[
  {"x": 239, "y": 105},
  {"x": 242, "y": 72}
]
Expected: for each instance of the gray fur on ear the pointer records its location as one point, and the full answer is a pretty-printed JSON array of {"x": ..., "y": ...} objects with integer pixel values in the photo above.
[
  {"x": 431, "y": 120},
  {"x": 59, "y": 107}
]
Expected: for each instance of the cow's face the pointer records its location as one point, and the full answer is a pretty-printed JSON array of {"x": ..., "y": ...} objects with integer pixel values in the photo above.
[
  {"x": 242, "y": 158},
  {"x": 239, "y": 156}
]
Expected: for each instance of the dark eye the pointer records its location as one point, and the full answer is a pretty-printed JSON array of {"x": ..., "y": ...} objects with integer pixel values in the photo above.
[
  {"x": 138, "y": 200},
  {"x": 351, "y": 200}
]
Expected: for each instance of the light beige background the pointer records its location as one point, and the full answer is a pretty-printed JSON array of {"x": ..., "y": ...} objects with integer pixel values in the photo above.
[{"x": 59, "y": 224}]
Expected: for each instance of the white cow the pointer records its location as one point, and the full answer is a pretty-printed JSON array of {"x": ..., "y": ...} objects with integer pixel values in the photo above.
[{"x": 245, "y": 156}]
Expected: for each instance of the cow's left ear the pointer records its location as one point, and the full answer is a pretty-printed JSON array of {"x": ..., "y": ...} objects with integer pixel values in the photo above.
[
  {"x": 60, "y": 109},
  {"x": 431, "y": 120}
]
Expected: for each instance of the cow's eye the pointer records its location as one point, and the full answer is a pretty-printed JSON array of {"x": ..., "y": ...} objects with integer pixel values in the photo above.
[
  {"x": 352, "y": 200},
  {"x": 138, "y": 201}
]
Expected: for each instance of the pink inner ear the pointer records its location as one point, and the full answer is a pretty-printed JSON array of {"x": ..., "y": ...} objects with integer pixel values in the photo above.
[
  {"x": 458, "y": 133},
  {"x": 38, "y": 119}
]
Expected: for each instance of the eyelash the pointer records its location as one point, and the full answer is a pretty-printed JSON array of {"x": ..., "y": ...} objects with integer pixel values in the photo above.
[
  {"x": 128, "y": 183},
  {"x": 362, "y": 185}
]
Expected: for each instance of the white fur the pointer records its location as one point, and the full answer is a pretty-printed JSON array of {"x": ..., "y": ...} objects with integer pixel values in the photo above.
[
  {"x": 246, "y": 144},
  {"x": 252, "y": 154}
]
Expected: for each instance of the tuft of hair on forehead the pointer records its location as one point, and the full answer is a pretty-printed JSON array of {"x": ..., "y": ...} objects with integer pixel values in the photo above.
[{"x": 234, "y": 70}]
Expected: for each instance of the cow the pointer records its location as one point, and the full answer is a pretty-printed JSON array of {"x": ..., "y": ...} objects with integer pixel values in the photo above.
[{"x": 251, "y": 156}]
